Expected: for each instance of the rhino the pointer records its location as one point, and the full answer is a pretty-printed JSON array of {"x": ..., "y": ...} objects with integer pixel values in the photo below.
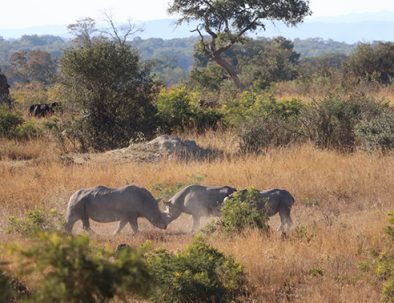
[
  {"x": 276, "y": 201},
  {"x": 104, "y": 204},
  {"x": 198, "y": 201}
]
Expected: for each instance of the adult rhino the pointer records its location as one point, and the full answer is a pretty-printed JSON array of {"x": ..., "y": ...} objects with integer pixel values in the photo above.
[
  {"x": 198, "y": 201},
  {"x": 105, "y": 204},
  {"x": 276, "y": 201}
]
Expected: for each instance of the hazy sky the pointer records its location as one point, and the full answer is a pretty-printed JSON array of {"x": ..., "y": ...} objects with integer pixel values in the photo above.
[{"x": 27, "y": 13}]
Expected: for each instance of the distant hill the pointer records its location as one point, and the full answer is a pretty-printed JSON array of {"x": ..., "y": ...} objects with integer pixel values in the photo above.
[{"x": 350, "y": 28}]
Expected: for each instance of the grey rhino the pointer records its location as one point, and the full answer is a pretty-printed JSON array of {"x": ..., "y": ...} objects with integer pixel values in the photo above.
[
  {"x": 105, "y": 204},
  {"x": 198, "y": 201},
  {"x": 276, "y": 201}
]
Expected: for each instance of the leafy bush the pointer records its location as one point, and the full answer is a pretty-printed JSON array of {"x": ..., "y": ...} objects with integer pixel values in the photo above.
[
  {"x": 198, "y": 274},
  {"x": 331, "y": 122},
  {"x": 35, "y": 221},
  {"x": 385, "y": 265},
  {"x": 9, "y": 121},
  {"x": 70, "y": 269},
  {"x": 27, "y": 130},
  {"x": 178, "y": 110},
  {"x": 263, "y": 122},
  {"x": 377, "y": 133},
  {"x": 245, "y": 209},
  {"x": 6, "y": 291},
  {"x": 113, "y": 90}
]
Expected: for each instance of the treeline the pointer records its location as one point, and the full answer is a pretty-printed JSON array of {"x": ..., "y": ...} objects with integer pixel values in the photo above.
[
  {"x": 111, "y": 95},
  {"x": 171, "y": 60}
]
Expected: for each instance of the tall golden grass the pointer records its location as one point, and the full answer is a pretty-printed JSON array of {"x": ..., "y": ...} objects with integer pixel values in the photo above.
[{"x": 316, "y": 262}]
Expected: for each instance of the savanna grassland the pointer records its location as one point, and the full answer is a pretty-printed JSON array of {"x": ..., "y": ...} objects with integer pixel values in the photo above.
[{"x": 342, "y": 201}]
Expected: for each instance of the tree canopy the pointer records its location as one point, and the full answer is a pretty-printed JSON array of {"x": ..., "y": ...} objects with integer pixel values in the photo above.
[{"x": 227, "y": 21}]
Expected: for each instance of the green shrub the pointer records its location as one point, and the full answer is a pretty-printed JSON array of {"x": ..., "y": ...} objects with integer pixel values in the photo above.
[
  {"x": 243, "y": 211},
  {"x": 377, "y": 133},
  {"x": 70, "y": 270},
  {"x": 316, "y": 272},
  {"x": 263, "y": 122},
  {"x": 178, "y": 110},
  {"x": 6, "y": 291},
  {"x": 198, "y": 274},
  {"x": 27, "y": 130},
  {"x": 331, "y": 122},
  {"x": 385, "y": 266},
  {"x": 382, "y": 263},
  {"x": 9, "y": 121},
  {"x": 35, "y": 221}
]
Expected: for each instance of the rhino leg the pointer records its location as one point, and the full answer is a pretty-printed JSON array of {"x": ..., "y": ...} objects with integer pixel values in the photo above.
[
  {"x": 196, "y": 223},
  {"x": 285, "y": 219},
  {"x": 121, "y": 224},
  {"x": 134, "y": 224},
  {"x": 86, "y": 225}
]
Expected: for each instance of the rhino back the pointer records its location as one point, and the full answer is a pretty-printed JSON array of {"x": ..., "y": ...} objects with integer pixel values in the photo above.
[
  {"x": 277, "y": 199},
  {"x": 104, "y": 204},
  {"x": 205, "y": 201}
]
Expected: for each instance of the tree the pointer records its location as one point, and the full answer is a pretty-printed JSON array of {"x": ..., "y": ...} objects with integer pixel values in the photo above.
[
  {"x": 227, "y": 21},
  {"x": 372, "y": 62},
  {"x": 259, "y": 62},
  {"x": 105, "y": 79},
  {"x": 36, "y": 65}
]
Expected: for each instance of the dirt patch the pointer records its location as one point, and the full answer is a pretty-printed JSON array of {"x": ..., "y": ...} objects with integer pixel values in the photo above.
[{"x": 162, "y": 147}]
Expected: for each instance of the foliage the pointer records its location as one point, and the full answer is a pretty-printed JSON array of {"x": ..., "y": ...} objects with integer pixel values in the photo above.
[
  {"x": 382, "y": 263},
  {"x": 377, "y": 133},
  {"x": 331, "y": 122},
  {"x": 263, "y": 122},
  {"x": 36, "y": 220},
  {"x": 266, "y": 61},
  {"x": 6, "y": 291},
  {"x": 27, "y": 130},
  {"x": 12, "y": 126},
  {"x": 35, "y": 65},
  {"x": 372, "y": 62},
  {"x": 71, "y": 270},
  {"x": 178, "y": 109},
  {"x": 8, "y": 122},
  {"x": 113, "y": 90},
  {"x": 198, "y": 274},
  {"x": 243, "y": 210},
  {"x": 227, "y": 22},
  {"x": 385, "y": 263}
]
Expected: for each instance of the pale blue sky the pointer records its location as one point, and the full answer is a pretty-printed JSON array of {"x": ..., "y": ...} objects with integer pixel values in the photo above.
[{"x": 29, "y": 13}]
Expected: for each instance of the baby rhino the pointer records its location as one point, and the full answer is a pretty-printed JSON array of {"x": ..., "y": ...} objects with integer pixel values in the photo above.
[
  {"x": 105, "y": 204},
  {"x": 198, "y": 201}
]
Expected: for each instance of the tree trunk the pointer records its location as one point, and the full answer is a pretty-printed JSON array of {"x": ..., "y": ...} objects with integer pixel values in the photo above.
[{"x": 230, "y": 70}]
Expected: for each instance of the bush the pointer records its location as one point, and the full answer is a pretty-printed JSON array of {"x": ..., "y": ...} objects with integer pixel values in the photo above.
[
  {"x": 71, "y": 270},
  {"x": 198, "y": 274},
  {"x": 6, "y": 291},
  {"x": 385, "y": 264},
  {"x": 36, "y": 220},
  {"x": 377, "y": 133},
  {"x": 9, "y": 121},
  {"x": 263, "y": 122},
  {"x": 331, "y": 122},
  {"x": 113, "y": 90},
  {"x": 27, "y": 130},
  {"x": 242, "y": 211},
  {"x": 178, "y": 110}
]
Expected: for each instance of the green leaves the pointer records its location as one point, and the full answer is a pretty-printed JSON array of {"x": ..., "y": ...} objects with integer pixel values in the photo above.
[{"x": 200, "y": 273}]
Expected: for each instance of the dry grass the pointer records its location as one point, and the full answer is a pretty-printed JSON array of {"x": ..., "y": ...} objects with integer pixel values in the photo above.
[{"x": 354, "y": 192}]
